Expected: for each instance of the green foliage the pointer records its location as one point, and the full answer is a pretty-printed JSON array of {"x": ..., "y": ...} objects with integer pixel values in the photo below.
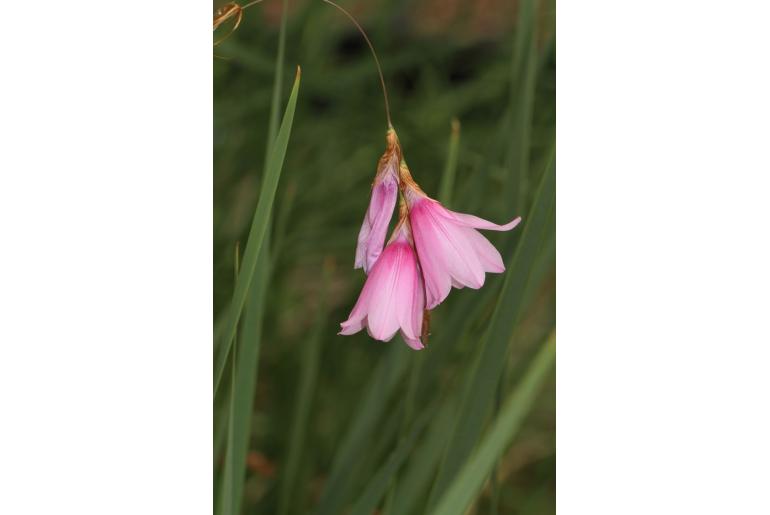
[
  {"x": 307, "y": 421},
  {"x": 258, "y": 228},
  {"x": 475, "y": 470}
]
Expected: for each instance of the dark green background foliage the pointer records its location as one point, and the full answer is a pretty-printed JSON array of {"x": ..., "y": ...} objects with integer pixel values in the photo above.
[{"x": 311, "y": 422}]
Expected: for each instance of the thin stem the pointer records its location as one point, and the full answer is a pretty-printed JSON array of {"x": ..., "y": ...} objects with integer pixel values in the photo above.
[
  {"x": 255, "y": 2},
  {"x": 374, "y": 54}
]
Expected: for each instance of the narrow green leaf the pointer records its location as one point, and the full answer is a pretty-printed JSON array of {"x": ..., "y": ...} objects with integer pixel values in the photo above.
[
  {"x": 307, "y": 385},
  {"x": 258, "y": 228},
  {"x": 229, "y": 473},
  {"x": 520, "y": 108},
  {"x": 380, "y": 390},
  {"x": 275, "y": 103},
  {"x": 414, "y": 482},
  {"x": 480, "y": 389},
  {"x": 245, "y": 380},
  {"x": 448, "y": 177},
  {"x": 470, "y": 479},
  {"x": 380, "y": 482},
  {"x": 245, "y": 371}
]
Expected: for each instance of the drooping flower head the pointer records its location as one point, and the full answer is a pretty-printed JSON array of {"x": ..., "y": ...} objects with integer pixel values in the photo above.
[
  {"x": 393, "y": 296},
  {"x": 383, "y": 200},
  {"x": 431, "y": 250},
  {"x": 450, "y": 249}
]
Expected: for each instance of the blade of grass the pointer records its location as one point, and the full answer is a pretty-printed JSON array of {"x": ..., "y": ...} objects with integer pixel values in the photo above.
[
  {"x": 275, "y": 103},
  {"x": 380, "y": 482},
  {"x": 381, "y": 387},
  {"x": 245, "y": 372},
  {"x": 307, "y": 385},
  {"x": 488, "y": 366},
  {"x": 245, "y": 380},
  {"x": 229, "y": 473},
  {"x": 448, "y": 177},
  {"x": 258, "y": 228},
  {"x": 471, "y": 477},
  {"x": 420, "y": 471},
  {"x": 521, "y": 104}
]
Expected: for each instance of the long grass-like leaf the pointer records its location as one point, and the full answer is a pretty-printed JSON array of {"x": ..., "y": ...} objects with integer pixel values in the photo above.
[
  {"x": 307, "y": 383},
  {"x": 524, "y": 73},
  {"x": 228, "y": 474},
  {"x": 245, "y": 381},
  {"x": 258, "y": 228},
  {"x": 450, "y": 169},
  {"x": 479, "y": 392},
  {"x": 421, "y": 467},
  {"x": 379, "y": 483},
  {"x": 385, "y": 378},
  {"x": 471, "y": 477}
]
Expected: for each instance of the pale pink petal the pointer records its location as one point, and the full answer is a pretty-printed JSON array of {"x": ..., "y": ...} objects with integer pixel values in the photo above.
[
  {"x": 375, "y": 226},
  {"x": 486, "y": 252},
  {"x": 411, "y": 298},
  {"x": 462, "y": 262},
  {"x": 476, "y": 222},
  {"x": 352, "y": 325},
  {"x": 393, "y": 296},
  {"x": 414, "y": 343},
  {"x": 438, "y": 282},
  {"x": 383, "y": 311},
  {"x": 446, "y": 255},
  {"x": 357, "y": 319}
]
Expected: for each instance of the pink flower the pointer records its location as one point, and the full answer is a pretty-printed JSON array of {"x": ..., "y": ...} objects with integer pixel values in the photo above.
[
  {"x": 384, "y": 192},
  {"x": 450, "y": 249},
  {"x": 393, "y": 297}
]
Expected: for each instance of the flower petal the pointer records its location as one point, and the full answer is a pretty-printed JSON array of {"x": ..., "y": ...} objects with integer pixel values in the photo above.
[
  {"x": 383, "y": 321},
  {"x": 371, "y": 237},
  {"x": 446, "y": 254},
  {"x": 438, "y": 282},
  {"x": 479, "y": 223},
  {"x": 414, "y": 343},
  {"x": 488, "y": 255},
  {"x": 410, "y": 297}
]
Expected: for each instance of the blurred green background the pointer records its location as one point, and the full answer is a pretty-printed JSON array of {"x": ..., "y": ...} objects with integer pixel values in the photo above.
[{"x": 311, "y": 422}]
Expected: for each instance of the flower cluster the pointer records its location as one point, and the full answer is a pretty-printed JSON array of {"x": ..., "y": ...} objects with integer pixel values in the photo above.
[{"x": 431, "y": 250}]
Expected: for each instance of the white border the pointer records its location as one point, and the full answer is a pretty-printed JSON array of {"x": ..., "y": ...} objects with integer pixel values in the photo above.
[
  {"x": 105, "y": 283},
  {"x": 662, "y": 230}
]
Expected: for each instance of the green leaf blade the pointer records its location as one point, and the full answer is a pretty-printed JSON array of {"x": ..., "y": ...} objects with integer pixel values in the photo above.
[
  {"x": 471, "y": 477},
  {"x": 259, "y": 228},
  {"x": 482, "y": 382}
]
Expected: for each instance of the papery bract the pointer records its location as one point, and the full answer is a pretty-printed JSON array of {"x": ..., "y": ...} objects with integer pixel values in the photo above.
[
  {"x": 451, "y": 251},
  {"x": 393, "y": 297},
  {"x": 383, "y": 200}
]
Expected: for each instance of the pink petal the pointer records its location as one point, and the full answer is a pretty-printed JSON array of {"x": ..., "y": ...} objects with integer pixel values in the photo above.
[
  {"x": 383, "y": 320},
  {"x": 486, "y": 252},
  {"x": 438, "y": 283},
  {"x": 375, "y": 226},
  {"x": 476, "y": 222},
  {"x": 357, "y": 319},
  {"x": 410, "y": 297},
  {"x": 414, "y": 343},
  {"x": 446, "y": 254}
]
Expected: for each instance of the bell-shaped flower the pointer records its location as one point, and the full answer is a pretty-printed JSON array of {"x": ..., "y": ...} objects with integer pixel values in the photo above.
[
  {"x": 384, "y": 193},
  {"x": 451, "y": 251},
  {"x": 393, "y": 297}
]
